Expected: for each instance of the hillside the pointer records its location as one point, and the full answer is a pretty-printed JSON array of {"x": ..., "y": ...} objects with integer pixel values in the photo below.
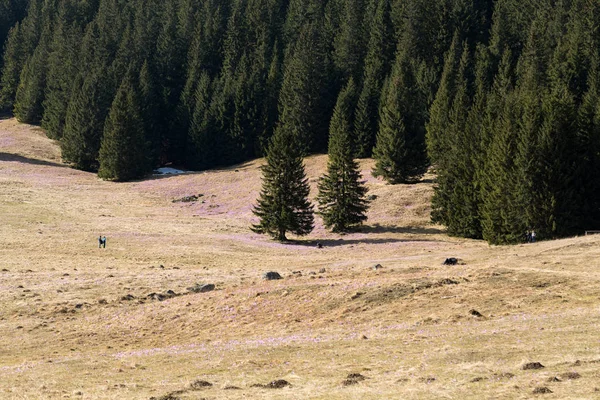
[
  {"x": 77, "y": 321},
  {"x": 502, "y": 97}
]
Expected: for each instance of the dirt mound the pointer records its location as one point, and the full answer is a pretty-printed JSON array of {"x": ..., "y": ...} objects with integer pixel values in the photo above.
[
  {"x": 542, "y": 390},
  {"x": 532, "y": 365},
  {"x": 200, "y": 384}
]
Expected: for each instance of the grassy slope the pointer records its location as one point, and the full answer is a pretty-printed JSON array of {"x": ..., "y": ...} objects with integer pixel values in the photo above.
[{"x": 65, "y": 331}]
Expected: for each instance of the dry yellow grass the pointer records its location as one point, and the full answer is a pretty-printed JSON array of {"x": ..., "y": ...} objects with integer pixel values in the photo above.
[{"x": 66, "y": 332}]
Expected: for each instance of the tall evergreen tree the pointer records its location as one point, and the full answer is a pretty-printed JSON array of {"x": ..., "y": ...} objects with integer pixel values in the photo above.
[
  {"x": 588, "y": 139},
  {"x": 124, "y": 150},
  {"x": 202, "y": 151},
  {"x": 283, "y": 205},
  {"x": 62, "y": 66},
  {"x": 380, "y": 53},
  {"x": 400, "y": 151},
  {"x": 169, "y": 65},
  {"x": 502, "y": 222},
  {"x": 272, "y": 87},
  {"x": 436, "y": 139},
  {"x": 22, "y": 42},
  {"x": 14, "y": 58},
  {"x": 349, "y": 46},
  {"x": 455, "y": 198},
  {"x": 342, "y": 202},
  {"x": 11, "y": 12},
  {"x": 500, "y": 209},
  {"x": 30, "y": 92},
  {"x": 84, "y": 123},
  {"x": 149, "y": 109},
  {"x": 303, "y": 101}
]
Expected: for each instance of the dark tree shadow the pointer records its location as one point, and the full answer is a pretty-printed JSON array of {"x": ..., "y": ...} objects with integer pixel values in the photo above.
[
  {"x": 341, "y": 242},
  {"x": 153, "y": 176},
  {"x": 231, "y": 168},
  {"x": 347, "y": 242},
  {"x": 377, "y": 228},
  {"x": 5, "y": 115},
  {"x": 27, "y": 160}
]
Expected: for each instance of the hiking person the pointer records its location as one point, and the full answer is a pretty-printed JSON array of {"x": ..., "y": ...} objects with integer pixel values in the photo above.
[
  {"x": 104, "y": 241},
  {"x": 99, "y": 241},
  {"x": 532, "y": 236}
]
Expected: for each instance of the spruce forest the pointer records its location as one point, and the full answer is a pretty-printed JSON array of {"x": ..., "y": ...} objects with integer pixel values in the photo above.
[{"x": 500, "y": 97}]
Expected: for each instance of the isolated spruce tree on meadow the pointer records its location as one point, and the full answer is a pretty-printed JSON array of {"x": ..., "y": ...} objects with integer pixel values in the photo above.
[
  {"x": 283, "y": 204},
  {"x": 342, "y": 202}
]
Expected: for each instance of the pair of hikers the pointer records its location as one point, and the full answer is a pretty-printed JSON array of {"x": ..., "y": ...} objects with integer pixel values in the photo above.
[
  {"x": 101, "y": 241},
  {"x": 531, "y": 236}
]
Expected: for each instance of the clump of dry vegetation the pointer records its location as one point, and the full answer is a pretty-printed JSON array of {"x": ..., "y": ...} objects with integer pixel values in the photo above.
[{"x": 77, "y": 321}]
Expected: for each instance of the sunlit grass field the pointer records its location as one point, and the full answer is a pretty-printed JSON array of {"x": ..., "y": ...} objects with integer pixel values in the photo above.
[{"x": 81, "y": 322}]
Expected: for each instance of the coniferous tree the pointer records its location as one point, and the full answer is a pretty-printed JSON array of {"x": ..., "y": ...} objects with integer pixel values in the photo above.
[
  {"x": 62, "y": 66},
  {"x": 283, "y": 205},
  {"x": 202, "y": 151},
  {"x": 14, "y": 57},
  {"x": 500, "y": 210},
  {"x": 169, "y": 66},
  {"x": 11, "y": 12},
  {"x": 185, "y": 108},
  {"x": 400, "y": 151},
  {"x": 22, "y": 42},
  {"x": 380, "y": 51},
  {"x": 588, "y": 139},
  {"x": 528, "y": 172},
  {"x": 30, "y": 92},
  {"x": 455, "y": 197},
  {"x": 84, "y": 123},
  {"x": 342, "y": 202},
  {"x": 124, "y": 149},
  {"x": 149, "y": 109},
  {"x": 302, "y": 105},
  {"x": 557, "y": 200},
  {"x": 502, "y": 222},
  {"x": 436, "y": 139},
  {"x": 273, "y": 85},
  {"x": 348, "y": 44}
]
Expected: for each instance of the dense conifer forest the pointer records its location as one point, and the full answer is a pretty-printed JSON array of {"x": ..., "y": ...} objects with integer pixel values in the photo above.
[{"x": 499, "y": 97}]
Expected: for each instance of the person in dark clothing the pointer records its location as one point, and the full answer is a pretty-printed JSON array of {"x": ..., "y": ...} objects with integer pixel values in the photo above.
[{"x": 99, "y": 241}]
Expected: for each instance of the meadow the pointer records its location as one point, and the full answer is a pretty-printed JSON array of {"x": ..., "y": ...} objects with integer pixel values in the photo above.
[{"x": 370, "y": 315}]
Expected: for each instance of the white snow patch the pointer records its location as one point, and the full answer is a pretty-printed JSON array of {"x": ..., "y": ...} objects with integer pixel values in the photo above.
[{"x": 168, "y": 171}]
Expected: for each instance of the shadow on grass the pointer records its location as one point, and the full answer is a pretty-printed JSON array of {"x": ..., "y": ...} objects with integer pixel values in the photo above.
[
  {"x": 236, "y": 168},
  {"x": 377, "y": 228},
  {"x": 26, "y": 160},
  {"x": 371, "y": 229},
  {"x": 340, "y": 242}
]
